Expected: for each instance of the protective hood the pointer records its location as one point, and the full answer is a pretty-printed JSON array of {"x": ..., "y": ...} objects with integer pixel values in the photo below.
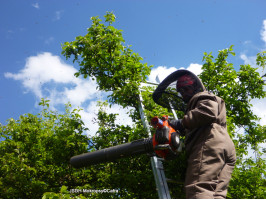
[{"x": 168, "y": 93}]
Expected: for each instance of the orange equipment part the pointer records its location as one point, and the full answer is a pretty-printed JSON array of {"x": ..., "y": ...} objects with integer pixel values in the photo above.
[{"x": 162, "y": 153}]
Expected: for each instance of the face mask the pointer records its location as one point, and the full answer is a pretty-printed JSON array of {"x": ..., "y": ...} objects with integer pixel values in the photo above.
[{"x": 177, "y": 89}]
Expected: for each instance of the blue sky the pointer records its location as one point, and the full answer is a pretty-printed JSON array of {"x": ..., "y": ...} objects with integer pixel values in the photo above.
[{"x": 168, "y": 34}]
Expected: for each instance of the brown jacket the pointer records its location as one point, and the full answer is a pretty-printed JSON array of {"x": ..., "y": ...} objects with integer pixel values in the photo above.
[{"x": 211, "y": 152}]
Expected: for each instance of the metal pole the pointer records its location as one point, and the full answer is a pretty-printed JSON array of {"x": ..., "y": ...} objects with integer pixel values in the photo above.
[{"x": 156, "y": 163}]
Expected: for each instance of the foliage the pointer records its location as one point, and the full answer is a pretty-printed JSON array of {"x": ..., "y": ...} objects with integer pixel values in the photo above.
[
  {"x": 133, "y": 176},
  {"x": 130, "y": 177},
  {"x": 35, "y": 152},
  {"x": 101, "y": 55},
  {"x": 248, "y": 180},
  {"x": 238, "y": 89}
]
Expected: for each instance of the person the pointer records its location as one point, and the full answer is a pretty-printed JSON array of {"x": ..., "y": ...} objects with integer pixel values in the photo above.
[{"x": 210, "y": 150}]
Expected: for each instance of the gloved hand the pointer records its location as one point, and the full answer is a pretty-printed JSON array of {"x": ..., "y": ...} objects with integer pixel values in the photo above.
[
  {"x": 177, "y": 125},
  {"x": 162, "y": 135}
]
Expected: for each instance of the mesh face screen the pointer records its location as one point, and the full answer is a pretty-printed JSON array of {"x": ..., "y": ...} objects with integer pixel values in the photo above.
[
  {"x": 166, "y": 94},
  {"x": 170, "y": 98}
]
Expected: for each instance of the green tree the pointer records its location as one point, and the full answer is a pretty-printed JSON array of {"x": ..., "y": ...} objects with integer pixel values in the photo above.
[
  {"x": 238, "y": 88},
  {"x": 101, "y": 54},
  {"x": 35, "y": 152},
  {"x": 35, "y": 149},
  {"x": 131, "y": 177}
]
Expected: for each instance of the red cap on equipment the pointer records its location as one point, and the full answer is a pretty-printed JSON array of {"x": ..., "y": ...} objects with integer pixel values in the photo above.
[{"x": 184, "y": 81}]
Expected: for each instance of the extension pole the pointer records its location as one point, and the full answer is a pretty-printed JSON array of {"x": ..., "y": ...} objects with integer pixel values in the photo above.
[{"x": 156, "y": 163}]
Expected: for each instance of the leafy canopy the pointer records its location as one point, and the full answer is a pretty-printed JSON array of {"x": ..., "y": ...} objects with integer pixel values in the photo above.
[
  {"x": 103, "y": 56},
  {"x": 35, "y": 150}
]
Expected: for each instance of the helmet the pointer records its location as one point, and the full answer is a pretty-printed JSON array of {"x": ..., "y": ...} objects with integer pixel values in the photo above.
[{"x": 177, "y": 89}]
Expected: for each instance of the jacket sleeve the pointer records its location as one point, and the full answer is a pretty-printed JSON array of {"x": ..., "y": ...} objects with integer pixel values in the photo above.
[{"x": 204, "y": 113}]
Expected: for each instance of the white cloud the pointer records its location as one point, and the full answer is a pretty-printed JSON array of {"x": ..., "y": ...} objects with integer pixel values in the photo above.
[
  {"x": 162, "y": 71},
  {"x": 85, "y": 90},
  {"x": 259, "y": 109},
  {"x": 41, "y": 69},
  {"x": 195, "y": 68},
  {"x": 89, "y": 115},
  {"x": 251, "y": 60},
  {"x": 36, "y": 5},
  {"x": 46, "y": 76},
  {"x": 263, "y": 31},
  {"x": 122, "y": 117}
]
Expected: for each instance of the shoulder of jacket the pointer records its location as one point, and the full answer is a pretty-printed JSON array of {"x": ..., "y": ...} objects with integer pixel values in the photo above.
[{"x": 203, "y": 95}]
